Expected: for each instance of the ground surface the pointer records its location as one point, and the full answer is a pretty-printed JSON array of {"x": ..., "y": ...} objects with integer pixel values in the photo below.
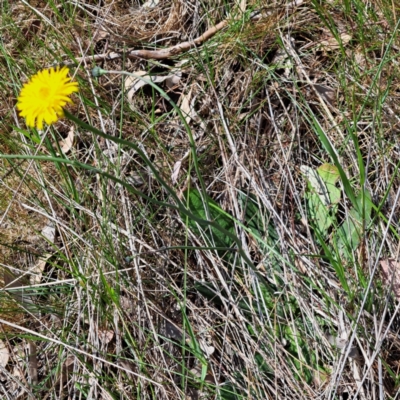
[{"x": 221, "y": 224}]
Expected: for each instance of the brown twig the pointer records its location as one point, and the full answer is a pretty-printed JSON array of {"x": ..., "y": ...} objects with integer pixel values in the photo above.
[
  {"x": 169, "y": 51},
  {"x": 154, "y": 54}
]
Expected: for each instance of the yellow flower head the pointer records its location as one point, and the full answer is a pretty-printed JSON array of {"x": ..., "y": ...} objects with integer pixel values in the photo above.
[{"x": 45, "y": 95}]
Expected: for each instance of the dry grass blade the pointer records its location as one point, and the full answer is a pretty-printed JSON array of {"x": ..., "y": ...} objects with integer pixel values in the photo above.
[{"x": 222, "y": 225}]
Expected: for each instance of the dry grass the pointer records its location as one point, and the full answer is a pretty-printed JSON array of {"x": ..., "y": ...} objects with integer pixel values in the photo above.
[{"x": 186, "y": 259}]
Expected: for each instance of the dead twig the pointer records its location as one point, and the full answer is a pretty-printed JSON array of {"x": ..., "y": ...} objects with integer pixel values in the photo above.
[
  {"x": 154, "y": 54},
  {"x": 172, "y": 50}
]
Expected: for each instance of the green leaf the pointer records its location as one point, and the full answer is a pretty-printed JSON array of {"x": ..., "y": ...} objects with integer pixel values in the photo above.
[
  {"x": 351, "y": 231},
  {"x": 322, "y": 196},
  {"x": 204, "y": 207},
  {"x": 256, "y": 219},
  {"x": 330, "y": 175}
]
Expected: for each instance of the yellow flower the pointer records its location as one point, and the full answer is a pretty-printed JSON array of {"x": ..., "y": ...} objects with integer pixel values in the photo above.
[{"x": 45, "y": 95}]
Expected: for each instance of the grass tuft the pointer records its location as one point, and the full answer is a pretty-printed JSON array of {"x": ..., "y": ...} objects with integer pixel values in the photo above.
[{"x": 216, "y": 216}]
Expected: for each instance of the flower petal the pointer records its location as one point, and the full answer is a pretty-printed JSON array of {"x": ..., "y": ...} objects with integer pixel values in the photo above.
[{"x": 42, "y": 98}]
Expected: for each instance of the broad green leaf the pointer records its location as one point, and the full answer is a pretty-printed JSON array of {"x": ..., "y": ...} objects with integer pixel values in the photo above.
[
  {"x": 322, "y": 196},
  {"x": 351, "y": 231},
  {"x": 318, "y": 213},
  {"x": 316, "y": 184},
  {"x": 198, "y": 206},
  {"x": 330, "y": 175}
]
